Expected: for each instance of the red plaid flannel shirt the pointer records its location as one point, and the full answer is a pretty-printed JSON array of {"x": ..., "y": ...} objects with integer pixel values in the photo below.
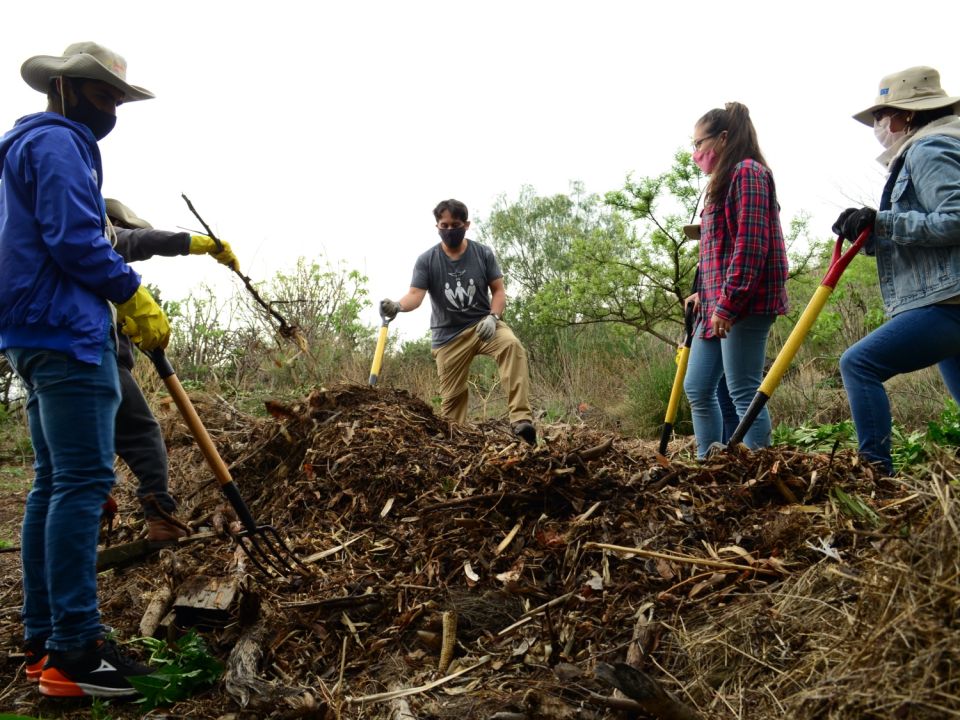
[{"x": 743, "y": 259}]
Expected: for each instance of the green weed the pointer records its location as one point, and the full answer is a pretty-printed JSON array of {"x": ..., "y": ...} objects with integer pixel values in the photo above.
[
  {"x": 100, "y": 710},
  {"x": 819, "y": 438},
  {"x": 182, "y": 668}
]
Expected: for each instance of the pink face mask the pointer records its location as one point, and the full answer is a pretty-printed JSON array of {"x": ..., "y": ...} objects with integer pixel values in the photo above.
[{"x": 706, "y": 160}]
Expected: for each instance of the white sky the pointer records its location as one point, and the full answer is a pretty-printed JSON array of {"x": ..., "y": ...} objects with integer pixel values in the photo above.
[{"x": 333, "y": 128}]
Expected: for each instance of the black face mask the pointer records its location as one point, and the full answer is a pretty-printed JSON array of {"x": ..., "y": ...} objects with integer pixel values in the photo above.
[
  {"x": 453, "y": 237},
  {"x": 86, "y": 113}
]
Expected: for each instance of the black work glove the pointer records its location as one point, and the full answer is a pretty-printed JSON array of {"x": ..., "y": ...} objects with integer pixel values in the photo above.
[
  {"x": 853, "y": 221},
  {"x": 389, "y": 308}
]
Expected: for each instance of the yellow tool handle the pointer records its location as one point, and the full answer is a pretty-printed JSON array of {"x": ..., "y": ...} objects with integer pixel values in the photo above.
[
  {"x": 197, "y": 429},
  {"x": 793, "y": 343},
  {"x": 378, "y": 355},
  {"x": 683, "y": 355}
]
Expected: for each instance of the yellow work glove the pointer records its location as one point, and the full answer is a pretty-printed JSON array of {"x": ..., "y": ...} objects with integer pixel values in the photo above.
[
  {"x": 204, "y": 245},
  {"x": 142, "y": 319}
]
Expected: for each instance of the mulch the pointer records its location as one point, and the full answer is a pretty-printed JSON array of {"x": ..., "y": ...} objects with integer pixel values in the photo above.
[{"x": 766, "y": 584}]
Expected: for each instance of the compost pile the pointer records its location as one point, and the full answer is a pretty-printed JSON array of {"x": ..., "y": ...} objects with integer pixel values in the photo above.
[{"x": 457, "y": 572}]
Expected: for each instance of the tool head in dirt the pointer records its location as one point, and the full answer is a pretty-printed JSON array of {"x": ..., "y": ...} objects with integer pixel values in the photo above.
[
  {"x": 264, "y": 546},
  {"x": 262, "y": 543}
]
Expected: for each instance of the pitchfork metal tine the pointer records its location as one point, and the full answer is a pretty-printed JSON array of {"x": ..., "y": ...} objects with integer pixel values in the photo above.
[{"x": 258, "y": 546}]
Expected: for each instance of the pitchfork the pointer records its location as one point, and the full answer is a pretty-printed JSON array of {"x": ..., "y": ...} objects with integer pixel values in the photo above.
[{"x": 261, "y": 543}]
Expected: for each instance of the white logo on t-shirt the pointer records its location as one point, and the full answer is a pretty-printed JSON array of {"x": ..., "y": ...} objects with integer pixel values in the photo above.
[{"x": 460, "y": 298}]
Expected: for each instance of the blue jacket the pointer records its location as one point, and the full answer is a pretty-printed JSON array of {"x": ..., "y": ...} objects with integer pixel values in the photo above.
[
  {"x": 916, "y": 236},
  {"x": 57, "y": 268}
]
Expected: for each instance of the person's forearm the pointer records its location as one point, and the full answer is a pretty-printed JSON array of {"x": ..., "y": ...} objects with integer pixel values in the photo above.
[
  {"x": 498, "y": 303},
  {"x": 142, "y": 244},
  {"x": 409, "y": 302}
]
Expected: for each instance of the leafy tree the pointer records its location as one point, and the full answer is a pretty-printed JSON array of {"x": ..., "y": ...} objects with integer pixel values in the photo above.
[{"x": 534, "y": 237}]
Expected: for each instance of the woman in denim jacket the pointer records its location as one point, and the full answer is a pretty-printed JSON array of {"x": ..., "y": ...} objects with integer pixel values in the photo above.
[{"x": 916, "y": 241}]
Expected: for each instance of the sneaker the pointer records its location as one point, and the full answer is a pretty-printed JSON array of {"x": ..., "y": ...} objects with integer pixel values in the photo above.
[
  {"x": 525, "y": 429},
  {"x": 98, "y": 669},
  {"x": 161, "y": 530},
  {"x": 35, "y": 655}
]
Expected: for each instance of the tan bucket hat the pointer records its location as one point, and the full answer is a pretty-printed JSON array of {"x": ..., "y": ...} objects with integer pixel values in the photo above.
[
  {"x": 123, "y": 216},
  {"x": 916, "y": 88},
  {"x": 86, "y": 60}
]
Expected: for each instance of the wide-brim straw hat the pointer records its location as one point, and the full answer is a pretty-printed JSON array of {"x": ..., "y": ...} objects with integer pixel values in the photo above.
[
  {"x": 87, "y": 60},
  {"x": 916, "y": 88},
  {"x": 123, "y": 216}
]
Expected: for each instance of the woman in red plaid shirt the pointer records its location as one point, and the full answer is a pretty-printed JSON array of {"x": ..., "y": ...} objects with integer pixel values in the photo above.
[{"x": 743, "y": 273}]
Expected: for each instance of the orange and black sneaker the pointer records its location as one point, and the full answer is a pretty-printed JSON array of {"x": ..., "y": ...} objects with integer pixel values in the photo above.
[
  {"x": 35, "y": 655},
  {"x": 98, "y": 669}
]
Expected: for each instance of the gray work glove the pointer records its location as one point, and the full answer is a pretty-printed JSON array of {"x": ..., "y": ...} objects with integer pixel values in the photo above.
[
  {"x": 487, "y": 328},
  {"x": 389, "y": 308}
]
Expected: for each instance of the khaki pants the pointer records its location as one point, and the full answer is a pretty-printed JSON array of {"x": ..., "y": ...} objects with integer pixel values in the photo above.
[{"x": 453, "y": 367}]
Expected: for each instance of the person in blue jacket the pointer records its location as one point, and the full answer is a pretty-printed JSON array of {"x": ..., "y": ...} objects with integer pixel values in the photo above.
[
  {"x": 61, "y": 283},
  {"x": 915, "y": 238}
]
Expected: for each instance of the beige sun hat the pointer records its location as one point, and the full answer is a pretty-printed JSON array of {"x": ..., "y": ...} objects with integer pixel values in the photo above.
[
  {"x": 87, "y": 60},
  {"x": 916, "y": 88},
  {"x": 123, "y": 216}
]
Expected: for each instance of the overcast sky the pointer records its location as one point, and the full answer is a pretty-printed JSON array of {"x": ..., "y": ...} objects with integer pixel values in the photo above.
[{"x": 332, "y": 129}]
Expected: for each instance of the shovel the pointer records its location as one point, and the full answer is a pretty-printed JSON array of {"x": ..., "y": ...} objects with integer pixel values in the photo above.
[
  {"x": 838, "y": 263},
  {"x": 378, "y": 355},
  {"x": 683, "y": 354},
  {"x": 261, "y": 543}
]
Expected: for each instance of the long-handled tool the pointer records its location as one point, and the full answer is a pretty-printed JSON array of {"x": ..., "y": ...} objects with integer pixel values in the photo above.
[
  {"x": 261, "y": 543},
  {"x": 381, "y": 346},
  {"x": 683, "y": 355},
  {"x": 838, "y": 263}
]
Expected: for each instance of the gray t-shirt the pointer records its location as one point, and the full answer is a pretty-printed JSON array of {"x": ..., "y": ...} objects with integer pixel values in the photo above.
[{"x": 459, "y": 289}]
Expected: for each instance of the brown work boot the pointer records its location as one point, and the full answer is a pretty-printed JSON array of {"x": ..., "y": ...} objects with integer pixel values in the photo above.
[{"x": 161, "y": 530}]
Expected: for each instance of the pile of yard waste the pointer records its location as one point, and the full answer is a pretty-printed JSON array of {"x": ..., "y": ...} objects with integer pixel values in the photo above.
[{"x": 456, "y": 572}]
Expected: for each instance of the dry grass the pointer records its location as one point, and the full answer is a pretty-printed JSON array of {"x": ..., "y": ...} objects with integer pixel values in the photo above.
[{"x": 874, "y": 635}]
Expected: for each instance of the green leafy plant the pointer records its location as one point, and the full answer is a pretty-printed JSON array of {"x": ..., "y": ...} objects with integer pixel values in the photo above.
[
  {"x": 946, "y": 431},
  {"x": 100, "y": 710},
  {"x": 182, "y": 668},
  {"x": 819, "y": 438},
  {"x": 907, "y": 448}
]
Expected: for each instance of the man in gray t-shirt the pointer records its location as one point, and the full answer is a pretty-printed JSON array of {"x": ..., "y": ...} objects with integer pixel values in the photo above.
[{"x": 467, "y": 297}]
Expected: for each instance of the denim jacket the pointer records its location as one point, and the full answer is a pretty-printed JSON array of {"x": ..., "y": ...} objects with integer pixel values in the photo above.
[{"x": 916, "y": 236}]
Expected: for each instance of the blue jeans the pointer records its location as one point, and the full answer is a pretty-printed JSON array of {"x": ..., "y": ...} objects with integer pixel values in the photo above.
[
  {"x": 739, "y": 359},
  {"x": 727, "y": 410},
  {"x": 912, "y": 340},
  {"x": 70, "y": 408}
]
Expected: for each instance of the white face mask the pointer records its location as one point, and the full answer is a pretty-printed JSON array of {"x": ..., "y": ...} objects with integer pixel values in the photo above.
[{"x": 885, "y": 136}]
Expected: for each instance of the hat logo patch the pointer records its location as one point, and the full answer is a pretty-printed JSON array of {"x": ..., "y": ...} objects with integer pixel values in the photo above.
[{"x": 884, "y": 91}]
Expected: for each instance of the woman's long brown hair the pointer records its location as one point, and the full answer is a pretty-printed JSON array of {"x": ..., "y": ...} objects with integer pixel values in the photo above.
[{"x": 734, "y": 119}]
